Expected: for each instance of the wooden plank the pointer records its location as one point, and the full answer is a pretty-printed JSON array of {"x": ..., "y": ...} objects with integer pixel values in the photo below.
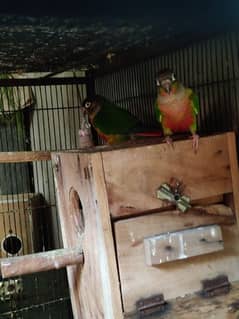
[
  {"x": 234, "y": 171},
  {"x": 133, "y": 175},
  {"x": 110, "y": 284},
  {"x": 195, "y": 307},
  {"x": 28, "y": 264},
  {"x": 94, "y": 287},
  {"x": 21, "y": 157},
  {"x": 173, "y": 279},
  {"x": 69, "y": 223},
  {"x": 182, "y": 244}
]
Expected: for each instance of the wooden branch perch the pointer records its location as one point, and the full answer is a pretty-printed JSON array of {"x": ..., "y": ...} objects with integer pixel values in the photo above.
[
  {"x": 55, "y": 259},
  {"x": 21, "y": 157}
]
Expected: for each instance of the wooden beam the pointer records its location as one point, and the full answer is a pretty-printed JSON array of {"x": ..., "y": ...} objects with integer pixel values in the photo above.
[
  {"x": 110, "y": 286},
  {"x": 28, "y": 264},
  {"x": 232, "y": 150},
  {"x": 20, "y": 157}
]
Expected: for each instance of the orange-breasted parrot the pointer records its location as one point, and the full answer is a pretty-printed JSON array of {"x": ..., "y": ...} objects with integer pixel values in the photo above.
[
  {"x": 176, "y": 107},
  {"x": 112, "y": 123}
]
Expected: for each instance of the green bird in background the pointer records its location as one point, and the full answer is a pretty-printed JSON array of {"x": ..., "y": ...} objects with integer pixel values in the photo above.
[
  {"x": 114, "y": 124},
  {"x": 176, "y": 107}
]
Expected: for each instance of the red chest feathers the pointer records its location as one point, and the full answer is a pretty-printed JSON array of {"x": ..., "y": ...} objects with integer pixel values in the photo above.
[{"x": 177, "y": 114}]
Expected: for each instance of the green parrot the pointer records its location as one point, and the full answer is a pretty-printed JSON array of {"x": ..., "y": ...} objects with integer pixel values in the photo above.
[
  {"x": 176, "y": 107},
  {"x": 112, "y": 123}
]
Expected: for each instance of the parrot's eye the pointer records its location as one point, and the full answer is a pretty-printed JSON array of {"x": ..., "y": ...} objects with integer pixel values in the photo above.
[{"x": 88, "y": 104}]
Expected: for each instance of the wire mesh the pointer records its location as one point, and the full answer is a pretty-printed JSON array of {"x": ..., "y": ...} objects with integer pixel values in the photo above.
[{"x": 35, "y": 115}]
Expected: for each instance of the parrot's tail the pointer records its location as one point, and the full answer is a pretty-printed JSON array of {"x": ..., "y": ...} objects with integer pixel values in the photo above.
[{"x": 149, "y": 134}]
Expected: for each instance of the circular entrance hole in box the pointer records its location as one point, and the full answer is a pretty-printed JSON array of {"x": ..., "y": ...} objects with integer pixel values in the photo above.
[{"x": 12, "y": 244}]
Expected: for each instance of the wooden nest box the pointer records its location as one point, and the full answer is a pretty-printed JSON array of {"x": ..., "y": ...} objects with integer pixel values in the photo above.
[{"x": 155, "y": 223}]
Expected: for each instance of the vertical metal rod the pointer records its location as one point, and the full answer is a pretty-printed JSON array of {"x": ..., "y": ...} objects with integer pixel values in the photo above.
[
  {"x": 63, "y": 108},
  {"x": 53, "y": 110},
  {"x": 46, "y": 107},
  {"x": 69, "y": 111}
]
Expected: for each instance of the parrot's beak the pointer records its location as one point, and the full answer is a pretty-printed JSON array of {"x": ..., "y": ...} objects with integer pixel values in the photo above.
[{"x": 168, "y": 88}]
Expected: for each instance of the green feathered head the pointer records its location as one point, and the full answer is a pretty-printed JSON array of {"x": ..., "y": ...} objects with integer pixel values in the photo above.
[{"x": 91, "y": 104}]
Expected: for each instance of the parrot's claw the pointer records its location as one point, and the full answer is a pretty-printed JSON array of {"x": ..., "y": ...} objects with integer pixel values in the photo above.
[
  {"x": 169, "y": 141},
  {"x": 195, "y": 138}
]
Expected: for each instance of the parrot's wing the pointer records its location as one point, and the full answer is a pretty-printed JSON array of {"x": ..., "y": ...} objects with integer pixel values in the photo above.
[
  {"x": 195, "y": 102},
  {"x": 157, "y": 112},
  {"x": 111, "y": 119}
]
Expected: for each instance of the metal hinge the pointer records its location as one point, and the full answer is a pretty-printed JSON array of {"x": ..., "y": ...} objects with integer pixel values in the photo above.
[
  {"x": 219, "y": 285},
  {"x": 152, "y": 305}
]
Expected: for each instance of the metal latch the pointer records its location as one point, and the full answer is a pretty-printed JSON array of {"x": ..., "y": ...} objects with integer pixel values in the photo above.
[
  {"x": 219, "y": 285},
  {"x": 152, "y": 305},
  {"x": 173, "y": 193}
]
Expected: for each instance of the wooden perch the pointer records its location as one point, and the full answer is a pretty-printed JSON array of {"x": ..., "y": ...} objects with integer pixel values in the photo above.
[
  {"x": 21, "y": 157},
  {"x": 55, "y": 259}
]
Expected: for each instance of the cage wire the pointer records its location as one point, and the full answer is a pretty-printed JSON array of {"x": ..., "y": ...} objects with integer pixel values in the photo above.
[{"x": 35, "y": 115}]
